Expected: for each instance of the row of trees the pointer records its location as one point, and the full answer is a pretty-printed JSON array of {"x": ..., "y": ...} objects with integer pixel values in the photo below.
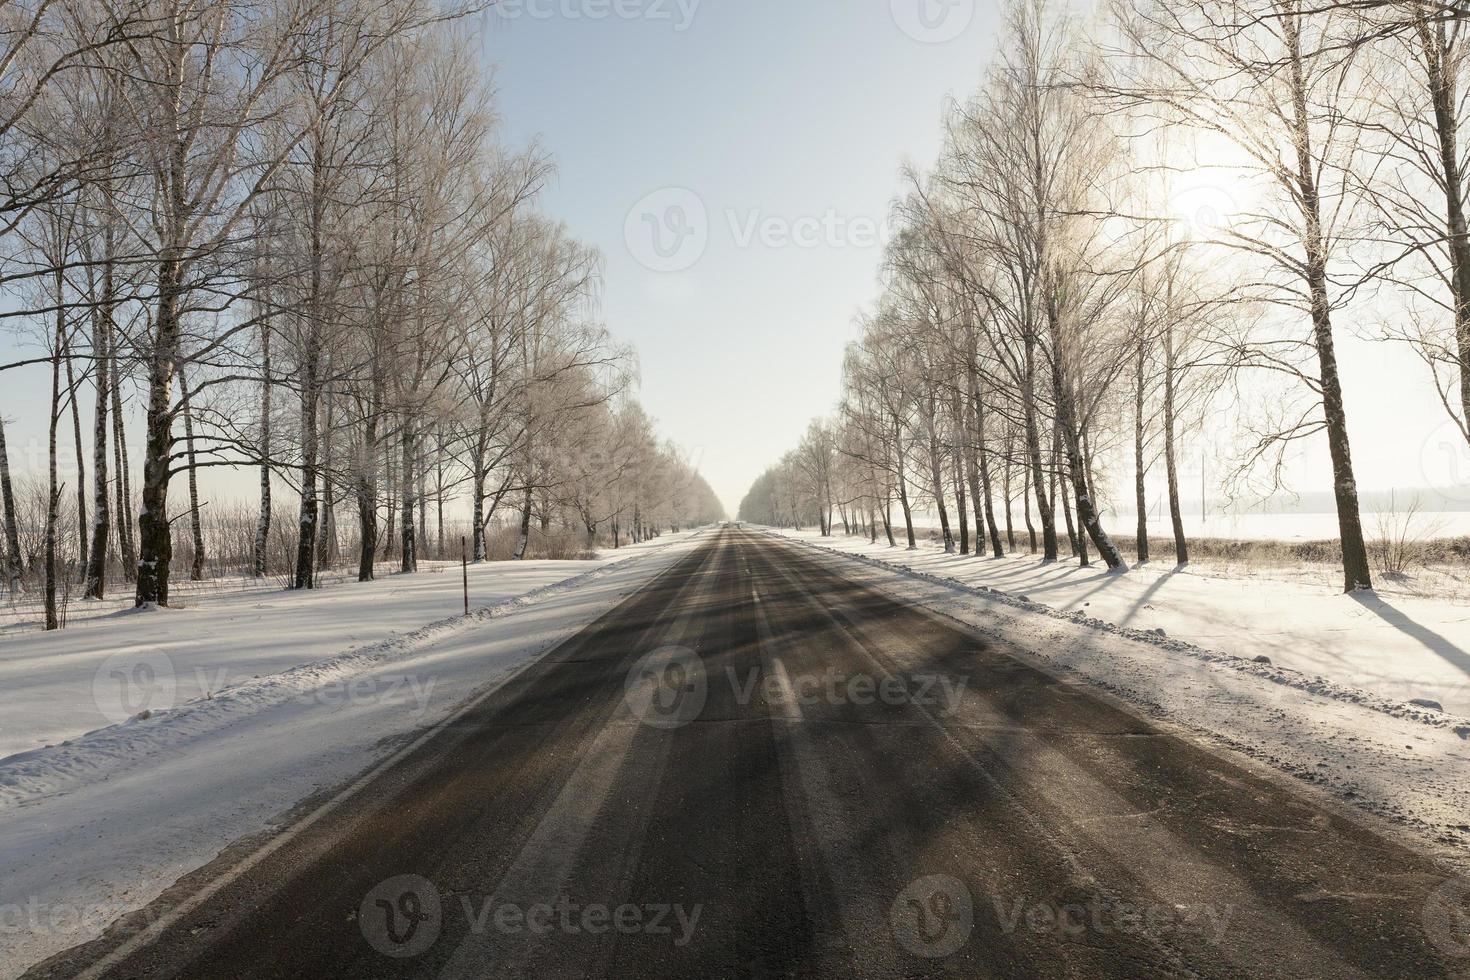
[
  {"x": 1047, "y": 311},
  {"x": 287, "y": 229}
]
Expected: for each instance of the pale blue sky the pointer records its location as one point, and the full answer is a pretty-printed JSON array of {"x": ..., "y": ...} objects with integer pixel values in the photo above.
[{"x": 775, "y": 115}]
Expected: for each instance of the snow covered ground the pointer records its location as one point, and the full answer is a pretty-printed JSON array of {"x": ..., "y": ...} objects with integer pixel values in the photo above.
[
  {"x": 1397, "y": 646},
  {"x": 1330, "y": 708},
  {"x": 252, "y": 704},
  {"x": 169, "y": 735},
  {"x": 127, "y": 661}
]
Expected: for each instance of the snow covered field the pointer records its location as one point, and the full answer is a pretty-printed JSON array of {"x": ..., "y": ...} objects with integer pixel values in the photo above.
[
  {"x": 1397, "y": 646},
  {"x": 307, "y": 690},
  {"x": 1332, "y": 707},
  {"x": 126, "y": 662}
]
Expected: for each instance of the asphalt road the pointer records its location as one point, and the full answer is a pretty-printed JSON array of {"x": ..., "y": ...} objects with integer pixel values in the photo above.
[{"x": 755, "y": 767}]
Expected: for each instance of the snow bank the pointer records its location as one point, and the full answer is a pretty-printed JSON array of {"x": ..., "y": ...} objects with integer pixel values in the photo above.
[
  {"x": 1400, "y": 648},
  {"x": 1405, "y": 762},
  {"x": 102, "y": 671}
]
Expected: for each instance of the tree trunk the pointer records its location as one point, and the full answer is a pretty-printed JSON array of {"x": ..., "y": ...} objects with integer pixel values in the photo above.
[
  {"x": 1078, "y": 549},
  {"x": 126, "y": 541},
  {"x": 523, "y": 540},
  {"x": 960, "y": 505},
  {"x": 980, "y": 488},
  {"x": 155, "y": 542},
  {"x": 1026, "y": 508},
  {"x": 263, "y": 519},
  {"x": 13, "y": 561},
  {"x": 421, "y": 542},
  {"x": 196, "y": 567},
  {"x": 1037, "y": 476},
  {"x": 1443, "y": 97},
  {"x": 53, "y": 488},
  {"x": 903, "y": 493},
  {"x": 478, "y": 513},
  {"x": 367, "y": 500},
  {"x": 1087, "y": 514},
  {"x": 1140, "y": 469},
  {"x": 936, "y": 472},
  {"x": 439, "y": 489},
  {"x": 391, "y": 481},
  {"x": 96, "y": 583},
  {"x": 83, "y": 528},
  {"x": 326, "y": 541},
  {"x": 1355, "y": 571},
  {"x": 1006, "y": 492},
  {"x": 1171, "y": 469},
  {"x": 307, "y": 525},
  {"x": 1070, "y": 428},
  {"x": 407, "y": 482}
]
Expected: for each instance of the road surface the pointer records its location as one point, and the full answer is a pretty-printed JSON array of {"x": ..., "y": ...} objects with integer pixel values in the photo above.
[{"x": 756, "y": 767}]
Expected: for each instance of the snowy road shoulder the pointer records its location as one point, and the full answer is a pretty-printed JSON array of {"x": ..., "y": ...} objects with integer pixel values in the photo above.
[
  {"x": 132, "y": 679},
  {"x": 102, "y": 826},
  {"x": 1394, "y": 759},
  {"x": 103, "y": 670}
]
